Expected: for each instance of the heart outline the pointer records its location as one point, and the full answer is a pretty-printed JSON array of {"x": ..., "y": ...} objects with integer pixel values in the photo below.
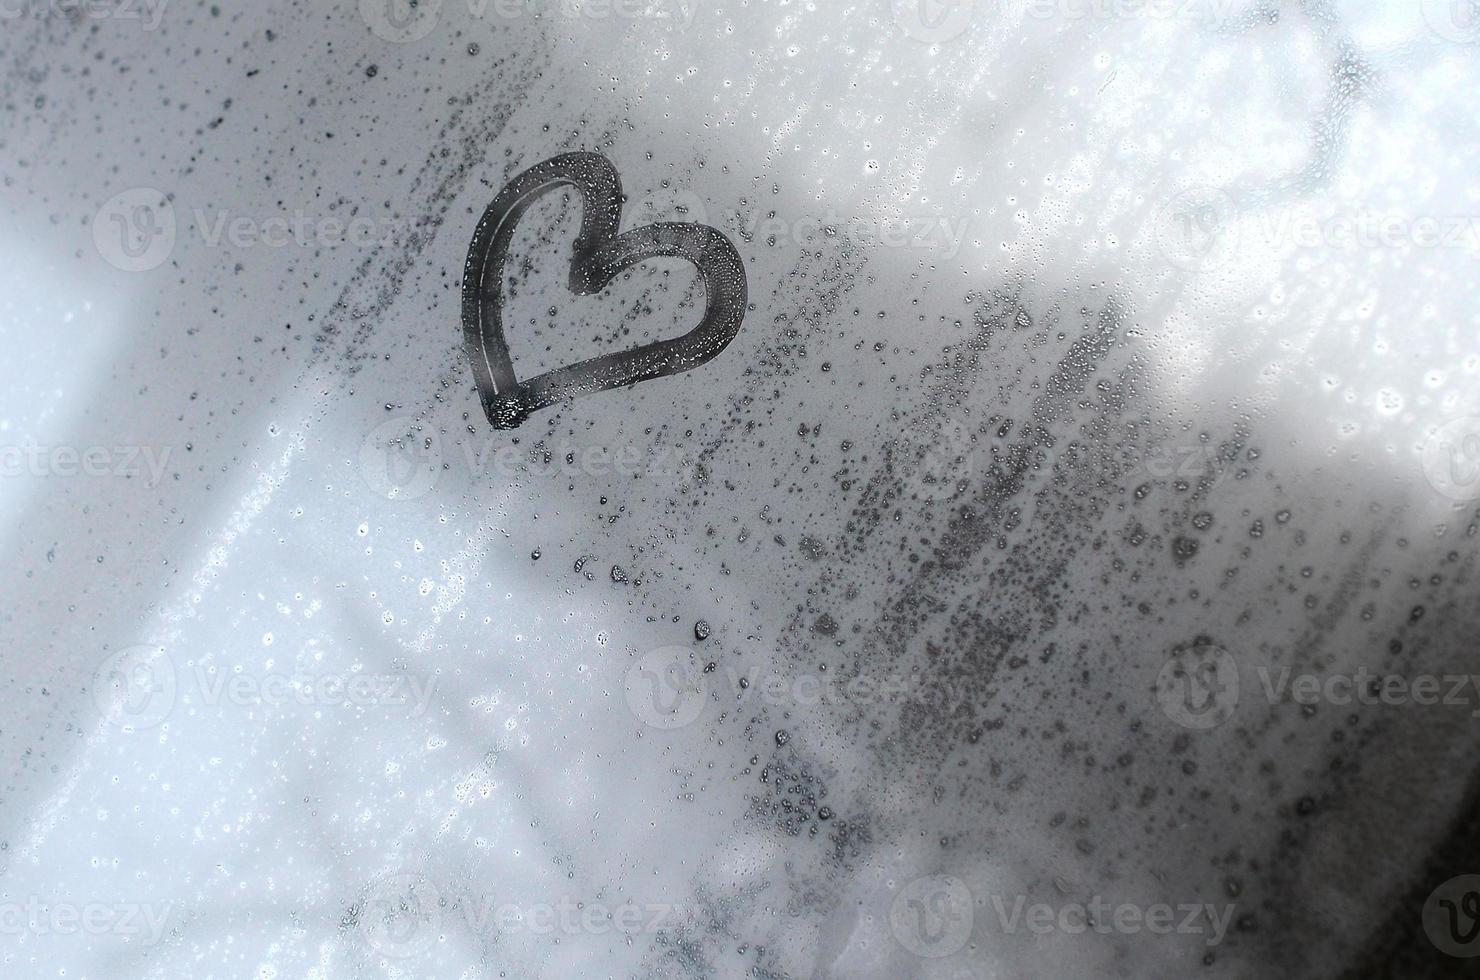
[{"x": 598, "y": 255}]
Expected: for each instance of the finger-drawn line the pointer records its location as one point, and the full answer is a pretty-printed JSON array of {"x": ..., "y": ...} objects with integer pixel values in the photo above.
[{"x": 598, "y": 255}]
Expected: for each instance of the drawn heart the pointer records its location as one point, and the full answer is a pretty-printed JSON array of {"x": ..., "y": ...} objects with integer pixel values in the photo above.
[{"x": 598, "y": 255}]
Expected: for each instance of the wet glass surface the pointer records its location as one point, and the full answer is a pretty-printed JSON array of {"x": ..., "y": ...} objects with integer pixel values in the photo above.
[{"x": 1065, "y": 570}]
